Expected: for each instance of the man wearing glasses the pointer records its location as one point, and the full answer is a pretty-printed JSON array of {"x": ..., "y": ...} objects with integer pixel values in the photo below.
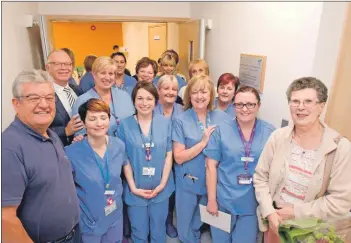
[
  {"x": 39, "y": 200},
  {"x": 60, "y": 68}
]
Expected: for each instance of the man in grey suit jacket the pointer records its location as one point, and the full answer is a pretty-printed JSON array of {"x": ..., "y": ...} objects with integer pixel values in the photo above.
[{"x": 60, "y": 68}]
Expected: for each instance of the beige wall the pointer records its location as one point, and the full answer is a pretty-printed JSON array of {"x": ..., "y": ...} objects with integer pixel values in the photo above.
[
  {"x": 16, "y": 51},
  {"x": 135, "y": 39}
]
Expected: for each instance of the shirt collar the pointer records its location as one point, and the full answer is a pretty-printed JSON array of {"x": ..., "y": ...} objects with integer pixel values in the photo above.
[
  {"x": 59, "y": 87},
  {"x": 24, "y": 127}
]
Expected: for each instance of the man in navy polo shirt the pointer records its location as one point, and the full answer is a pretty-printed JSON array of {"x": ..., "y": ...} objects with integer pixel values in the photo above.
[{"x": 39, "y": 200}]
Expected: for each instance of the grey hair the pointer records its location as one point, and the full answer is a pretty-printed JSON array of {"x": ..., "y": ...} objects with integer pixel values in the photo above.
[
  {"x": 166, "y": 78},
  {"x": 309, "y": 82},
  {"x": 30, "y": 76}
]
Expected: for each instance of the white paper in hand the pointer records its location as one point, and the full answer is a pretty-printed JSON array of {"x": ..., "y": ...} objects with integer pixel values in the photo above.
[{"x": 221, "y": 222}]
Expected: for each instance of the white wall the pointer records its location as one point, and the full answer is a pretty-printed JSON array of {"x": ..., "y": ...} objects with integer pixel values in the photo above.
[
  {"x": 150, "y": 9},
  {"x": 292, "y": 35},
  {"x": 16, "y": 52}
]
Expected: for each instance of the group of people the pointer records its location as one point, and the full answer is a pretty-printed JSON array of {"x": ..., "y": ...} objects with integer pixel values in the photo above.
[{"x": 119, "y": 156}]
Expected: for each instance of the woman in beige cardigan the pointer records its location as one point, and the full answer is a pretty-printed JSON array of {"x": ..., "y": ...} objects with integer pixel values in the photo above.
[{"x": 305, "y": 168}]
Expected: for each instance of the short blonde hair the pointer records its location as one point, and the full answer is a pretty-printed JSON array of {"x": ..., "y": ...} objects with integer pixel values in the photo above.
[
  {"x": 167, "y": 79},
  {"x": 201, "y": 81},
  {"x": 200, "y": 62},
  {"x": 102, "y": 63},
  {"x": 168, "y": 59}
]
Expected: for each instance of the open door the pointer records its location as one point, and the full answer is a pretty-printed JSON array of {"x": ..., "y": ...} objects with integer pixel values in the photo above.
[{"x": 191, "y": 44}]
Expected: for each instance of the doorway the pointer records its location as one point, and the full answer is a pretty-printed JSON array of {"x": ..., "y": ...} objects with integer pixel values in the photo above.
[{"x": 157, "y": 40}]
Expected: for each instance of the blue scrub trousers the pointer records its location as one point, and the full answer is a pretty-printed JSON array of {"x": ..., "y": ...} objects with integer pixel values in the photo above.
[
  {"x": 113, "y": 235},
  {"x": 151, "y": 218},
  {"x": 188, "y": 214},
  {"x": 244, "y": 228}
]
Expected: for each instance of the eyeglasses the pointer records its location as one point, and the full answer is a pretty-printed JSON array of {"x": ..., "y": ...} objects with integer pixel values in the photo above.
[
  {"x": 61, "y": 64},
  {"x": 306, "y": 103},
  {"x": 35, "y": 99},
  {"x": 248, "y": 105}
]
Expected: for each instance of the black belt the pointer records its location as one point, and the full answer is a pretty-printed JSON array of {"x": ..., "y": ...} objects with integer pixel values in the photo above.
[{"x": 67, "y": 237}]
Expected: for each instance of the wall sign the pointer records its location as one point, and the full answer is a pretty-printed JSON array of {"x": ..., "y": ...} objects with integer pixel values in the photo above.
[{"x": 252, "y": 70}]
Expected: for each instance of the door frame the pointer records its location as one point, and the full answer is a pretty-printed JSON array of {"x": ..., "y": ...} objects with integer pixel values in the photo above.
[
  {"x": 339, "y": 77},
  {"x": 158, "y": 25}
]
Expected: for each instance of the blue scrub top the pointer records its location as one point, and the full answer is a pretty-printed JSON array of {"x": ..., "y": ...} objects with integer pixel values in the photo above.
[
  {"x": 177, "y": 110},
  {"x": 230, "y": 110},
  {"x": 87, "y": 82},
  {"x": 90, "y": 184},
  {"x": 186, "y": 131},
  {"x": 129, "y": 132},
  {"x": 181, "y": 82},
  {"x": 121, "y": 108},
  {"x": 226, "y": 147},
  {"x": 128, "y": 85}
]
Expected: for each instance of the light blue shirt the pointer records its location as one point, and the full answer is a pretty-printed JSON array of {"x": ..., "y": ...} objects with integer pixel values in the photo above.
[
  {"x": 129, "y": 132},
  {"x": 186, "y": 131},
  {"x": 226, "y": 147},
  {"x": 87, "y": 82},
  {"x": 90, "y": 184},
  {"x": 121, "y": 107},
  {"x": 128, "y": 85},
  {"x": 177, "y": 110},
  {"x": 230, "y": 109},
  {"x": 181, "y": 82}
]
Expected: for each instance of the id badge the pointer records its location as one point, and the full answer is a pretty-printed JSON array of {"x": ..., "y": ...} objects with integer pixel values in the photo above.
[
  {"x": 148, "y": 145},
  {"x": 110, "y": 208},
  {"x": 109, "y": 192},
  {"x": 247, "y": 159},
  {"x": 148, "y": 171},
  {"x": 244, "y": 179}
]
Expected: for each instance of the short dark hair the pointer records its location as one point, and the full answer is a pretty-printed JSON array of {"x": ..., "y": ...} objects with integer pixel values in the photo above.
[
  {"x": 88, "y": 62},
  {"x": 145, "y": 62},
  {"x": 115, "y": 47},
  {"x": 148, "y": 87},
  {"x": 93, "y": 105},
  {"x": 70, "y": 54},
  {"x": 248, "y": 89},
  {"x": 119, "y": 54}
]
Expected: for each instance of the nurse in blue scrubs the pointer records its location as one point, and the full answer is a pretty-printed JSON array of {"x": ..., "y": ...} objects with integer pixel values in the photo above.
[
  {"x": 167, "y": 88},
  {"x": 87, "y": 81},
  {"x": 122, "y": 80},
  {"x": 226, "y": 86},
  {"x": 97, "y": 162},
  {"x": 149, "y": 174},
  {"x": 119, "y": 101},
  {"x": 231, "y": 157},
  {"x": 168, "y": 66},
  {"x": 190, "y": 134}
]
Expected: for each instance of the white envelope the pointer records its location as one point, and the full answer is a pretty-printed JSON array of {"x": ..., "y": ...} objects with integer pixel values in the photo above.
[{"x": 221, "y": 222}]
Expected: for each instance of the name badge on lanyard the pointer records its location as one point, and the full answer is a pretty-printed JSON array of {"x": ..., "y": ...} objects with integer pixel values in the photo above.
[
  {"x": 148, "y": 171},
  {"x": 147, "y": 145},
  {"x": 246, "y": 178}
]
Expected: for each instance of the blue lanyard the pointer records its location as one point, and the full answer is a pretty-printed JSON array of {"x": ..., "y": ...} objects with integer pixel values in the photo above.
[
  {"x": 112, "y": 111},
  {"x": 208, "y": 122},
  {"x": 105, "y": 175}
]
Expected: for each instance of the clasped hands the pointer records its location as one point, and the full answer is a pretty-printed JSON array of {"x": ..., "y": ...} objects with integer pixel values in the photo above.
[{"x": 148, "y": 194}]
